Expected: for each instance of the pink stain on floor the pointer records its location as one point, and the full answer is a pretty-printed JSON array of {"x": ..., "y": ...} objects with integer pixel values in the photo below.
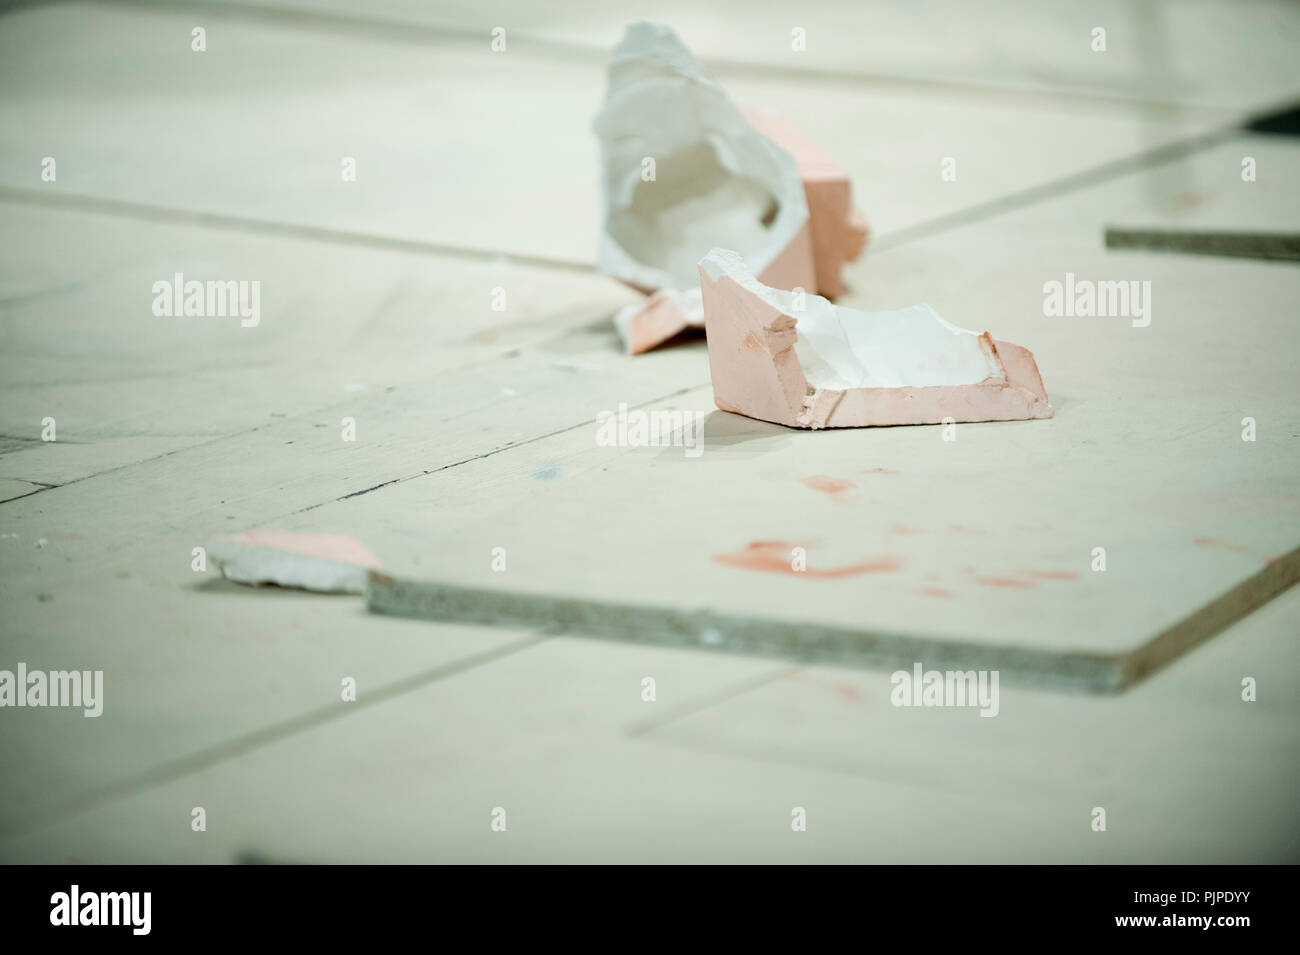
[
  {"x": 963, "y": 529},
  {"x": 935, "y": 592},
  {"x": 1211, "y": 543},
  {"x": 903, "y": 529},
  {"x": 879, "y": 471},
  {"x": 1186, "y": 200},
  {"x": 775, "y": 557},
  {"x": 848, "y": 692},
  {"x": 838, "y": 489},
  {"x": 1051, "y": 574},
  {"x": 1009, "y": 582}
]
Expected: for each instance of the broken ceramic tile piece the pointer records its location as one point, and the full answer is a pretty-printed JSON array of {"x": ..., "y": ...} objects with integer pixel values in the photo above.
[
  {"x": 683, "y": 172},
  {"x": 839, "y": 230},
  {"x": 667, "y": 312},
  {"x": 812, "y": 364},
  {"x": 326, "y": 563}
]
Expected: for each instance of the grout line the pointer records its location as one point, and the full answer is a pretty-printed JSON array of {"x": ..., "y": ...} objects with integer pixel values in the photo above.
[
  {"x": 642, "y": 727},
  {"x": 148, "y": 460},
  {"x": 239, "y": 746},
  {"x": 204, "y": 441},
  {"x": 811, "y": 762},
  {"x": 80, "y": 202},
  {"x": 1058, "y": 188},
  {"x": 28, "y": 439},
  {"x": 505, "y": 447},
  {"x": 19, "y": 497}
]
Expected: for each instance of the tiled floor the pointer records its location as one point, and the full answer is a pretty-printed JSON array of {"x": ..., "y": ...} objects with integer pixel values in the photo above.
[{"x": 478, "y": 170}]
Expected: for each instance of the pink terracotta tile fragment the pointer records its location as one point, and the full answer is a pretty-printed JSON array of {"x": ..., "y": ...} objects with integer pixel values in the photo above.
[
  {"x": 655, "y": 321},
  {"x": 852, "y": 369},
  {"x": 839, "y": 230}
]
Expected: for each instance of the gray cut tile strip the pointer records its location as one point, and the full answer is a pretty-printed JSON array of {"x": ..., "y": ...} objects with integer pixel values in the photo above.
[
  {"x": 823, "y": 644},
  {"x": 1276, "y": 246}
]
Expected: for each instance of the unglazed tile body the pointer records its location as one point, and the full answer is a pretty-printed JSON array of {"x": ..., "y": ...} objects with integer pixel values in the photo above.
[
  {"x": 757, "y": 372},
  {"x": 839, "y": 229}
]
